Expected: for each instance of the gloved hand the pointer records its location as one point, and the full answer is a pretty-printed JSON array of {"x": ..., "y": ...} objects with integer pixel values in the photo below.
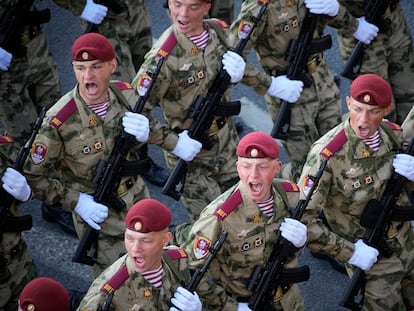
[
  {"x": 364, "y": 256},
  {"x": 294, "y": 231},
  {"x": 234, "y": 64},
  {"x": 285, "y": 89},
  {"x": 185, "y": 301},
  {"x": 365, "y": 32},
  {"x": 16, "y": 184},
  {"x": 91, "y": 212},
  {"x": 94, "y": 13},
  {"x": 327, "y": 7},
  {"x": 404, "y": 165},
  {"x": 137, "y": 125},
  {"x": 5, "y": 59},
  {"x": 186, "y": 147},
  {"x": 243, "y": 306}
]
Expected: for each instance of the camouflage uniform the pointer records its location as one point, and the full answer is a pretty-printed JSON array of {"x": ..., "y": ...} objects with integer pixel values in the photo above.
[
  {"x": 222, "y": 9},
  {"x": 31, "y": 82},
  {"x": 127, "y": 26},
  {"x": 319, "y": 106},
  {"x": 390, "y": 55},
  {"x": 354, "y": 175},
  {"x": 186, "y": 73},
  {"x": 136, "y": 293},
  {"x": 16, "y": 265},
  {"x": 408, "y": 126},
  {"x": 249, "y": 242},
  {"x": 71, "y": 141}
]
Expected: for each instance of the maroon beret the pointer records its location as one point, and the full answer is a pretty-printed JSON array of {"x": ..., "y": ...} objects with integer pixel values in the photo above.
[
  {"x": 258, "y": 145},
  {"x": 44, "y": 294},
  {"x": 92, "y": 46},
  {"x": 372, "y": 90},
  {"x": 148, "y": 215}
]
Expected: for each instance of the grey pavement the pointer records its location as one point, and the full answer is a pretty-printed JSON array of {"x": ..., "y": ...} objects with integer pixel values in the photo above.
[{"x": 52, "y": 249}]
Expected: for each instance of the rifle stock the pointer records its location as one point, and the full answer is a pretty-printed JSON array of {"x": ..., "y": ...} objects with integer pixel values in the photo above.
[
  {"x": 108, "y": 177},
  {"x": 203, "y": 114},
  {"x": 263, "y": 281},
  {"x": 374, "y": 236}
]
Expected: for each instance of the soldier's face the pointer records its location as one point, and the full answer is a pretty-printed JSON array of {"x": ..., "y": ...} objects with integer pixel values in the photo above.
[
  {"x": 145, "y": 249},
  {"x": 365, "y": 119},
  {"x": 257, "y": 176},
  {"x": 187, "y": 15},
  {"x": 93, "y": 79}
]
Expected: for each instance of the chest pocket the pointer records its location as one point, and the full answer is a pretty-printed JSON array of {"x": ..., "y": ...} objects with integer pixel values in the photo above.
[{"x": 87, "y": 144}]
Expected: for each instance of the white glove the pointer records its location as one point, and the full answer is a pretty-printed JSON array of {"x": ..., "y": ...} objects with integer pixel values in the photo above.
[
  {"x": 137, "y": 125},
  {"x": 365, "y": 32},
  {"x": 364, "y": 256},
  {"x": 243, "y": 306},
  {"x": 294, "y": 231},
  {"x": 186, "y": 147},
  {"x": 327, "y": 7},
  {"x": 285, "y": 89},
  {"x": 5, "y": 59},
  {"x": 185, "y": 301},
  {"x": 404, "y": 165},
  {"x": 234, "y": 64},
  {"x": 16, "y": 184},
  {"x": 94, "y": 13},
  {"x": 91, "y": 212}
]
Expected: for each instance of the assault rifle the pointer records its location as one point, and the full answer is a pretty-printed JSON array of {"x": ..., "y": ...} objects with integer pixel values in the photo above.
[
  {"x": 376, "y": 218},
  {"x": 10, "y": 223},
  {"x": 108, "y": 175},
  {"x": 297, "y": 54},
  {"x": 107, "y": 303},
  {"x": 374, "y": 11},
  {"x": 198, "y": 275},
  {"x": 203, "y": 111},
  {"x": 264, "y": 282},
  {"x": 12, "y": 21}
]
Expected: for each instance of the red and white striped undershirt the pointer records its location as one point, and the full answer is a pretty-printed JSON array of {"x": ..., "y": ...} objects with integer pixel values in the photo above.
[
  {"x": 267, "y": 206},
  {"x": 101, "y": 108},
  {"x": 154, "y": 276},
  {"x": 374, "y": 141},
  {"x": 200, "y": 41}
]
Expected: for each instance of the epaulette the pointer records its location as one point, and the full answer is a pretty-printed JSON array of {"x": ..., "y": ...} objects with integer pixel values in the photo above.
[
  {"x": 64, "y": 114},
  {"x": 229, "y": 205},
  {"x": 116, "y": 280},
  {"x": 167, "y": 46},
  {"x": 218, "y": 22},
  {"x": 334, "y": 145},
  {"x": 261, "y": 2},
  {"x": 393, "y": 126},
  {"x": 176, "y": 253},
  {"x": 123, "y": 85},
  {"x": 289, "y": 186}
]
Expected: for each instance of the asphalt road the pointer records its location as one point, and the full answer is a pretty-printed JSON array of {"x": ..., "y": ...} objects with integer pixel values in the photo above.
[{"x": 52, "y": 249}]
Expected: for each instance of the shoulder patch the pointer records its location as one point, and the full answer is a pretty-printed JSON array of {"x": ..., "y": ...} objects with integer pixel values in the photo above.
[
  {"x": 289, "y": 186},
  {"x": 64, "y": 114},
  {"x": 393, "y": 126},
  {"x": 229, "y": 205},
  {"x": 39, "y": 152},
  {"x": 167, "y": 46},
  {"x": 123, "y": 85},
  {"x": 116, "y": 280},
  {"x": 201, "y": 247},
  {"x": 220, "y": 23},
  {"x": 176, "y": 253},
  {"x": 334, "y": 145}
]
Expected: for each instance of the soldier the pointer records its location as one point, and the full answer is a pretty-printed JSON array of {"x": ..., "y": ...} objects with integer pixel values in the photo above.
[
  {"x": 150, "y": 275},
  {"x": 16, "y": 264},
  {"x": 44, "y": 294},
  {"x": 362, "y": 155},
  {"x": 251, "y": 212},
  {"x": 390, "y": 55},
  {"x": 318, "y": 108},
  {"x": 29, "y": 77},
  {"x": 77, "y": 132},
  {"x": 408, "y": 126}
]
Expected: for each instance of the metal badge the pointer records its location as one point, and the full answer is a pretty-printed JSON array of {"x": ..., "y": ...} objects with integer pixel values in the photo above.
[
  {"x": 368, "y": 180},
  {"x": 86, "y": 149},
  {"x": 246, "y": 246},
  {"x": 356, "y": 184},
  {"x": 147, "y": 292}
]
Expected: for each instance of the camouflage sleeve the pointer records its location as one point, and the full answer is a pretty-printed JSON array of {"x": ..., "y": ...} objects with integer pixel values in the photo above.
[
  {"x": 344, "y": 21},
  {"x": 320, "y": 237},
  {"x": 408, "y": 126}
]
